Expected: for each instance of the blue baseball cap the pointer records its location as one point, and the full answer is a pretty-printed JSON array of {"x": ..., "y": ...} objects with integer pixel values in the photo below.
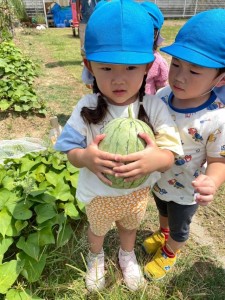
[
  {"x": 156, "y": 14},
  {"x": 119, "y": 32},
  {"x": 201, "y": 40}
]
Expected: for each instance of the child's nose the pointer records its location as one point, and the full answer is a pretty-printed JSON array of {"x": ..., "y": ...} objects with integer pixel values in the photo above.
[
  {"x": 180, "y": 76},
  {"x": 118, "y": 78}
]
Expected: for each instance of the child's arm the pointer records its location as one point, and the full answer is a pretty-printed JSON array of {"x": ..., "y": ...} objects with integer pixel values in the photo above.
[
  {"x": 144, "y": 162},
  {"x": 98, "y": 162},
  {"x": 207, "y": 185}
]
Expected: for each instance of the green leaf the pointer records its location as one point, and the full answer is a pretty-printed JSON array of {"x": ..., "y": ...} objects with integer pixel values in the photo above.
[
  {"x": 11, "y": 230},
  {"x": 25, "y": 107},
  {"x": 8, "y": 182},
  {"x": 5, "y": 221},
  {"x": 32, "y": 269},
  {"x": 9, "y": 272},
  {"x": 18, "y": 108},
  {"x": 62, "y": 191},
  {"x": 15, "y": 294},
  {"x": 37, "y": 192},
  {"x": 4, "y": 196},
  {"x": 46, "y": 236},
  {"x": 4, "y": 246},
  {"x": 57, "y": 164},
  {"x": 52, "y": 178},
  {"x": 11, "y": 202},
  {"x": 71, "y": 168},
  {"x": 73, "y": 179},
  {"x": 2, "y": 173},
  {"x": 29, "y": 247},
  {"x": 4, "y": 105},
  {"x": 19, "y": 225},
  {"x": 48, "y": 198},
  {"x": 71, "y": 211},
  {"x": 22, "y": 211},
  {"x": 27, "y": 164},
  {"x": 64, "y": 234},
  {"x": 81, "y": 206},
  {"x": 45, "y": 212}
]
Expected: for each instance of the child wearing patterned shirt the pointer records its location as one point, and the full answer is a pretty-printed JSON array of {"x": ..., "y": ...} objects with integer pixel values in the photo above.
[
  {"x": 197, "y": 67},
  {"x": 118, "y": 53}
]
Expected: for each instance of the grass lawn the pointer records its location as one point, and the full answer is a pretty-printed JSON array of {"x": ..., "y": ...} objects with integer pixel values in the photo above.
[{"x": 198, "y": 274}]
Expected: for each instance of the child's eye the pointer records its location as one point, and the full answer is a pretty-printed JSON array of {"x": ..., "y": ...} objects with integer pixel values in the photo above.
[
  {"x": 130, "y": 68},
  {"x": 195, "y": 73},
  {"x": 105, "y": 69},
  {"x": 175, "y": 65}
]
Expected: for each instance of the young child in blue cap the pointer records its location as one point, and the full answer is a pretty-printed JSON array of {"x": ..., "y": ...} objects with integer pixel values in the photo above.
[
  {"x": 119, "y": 54},
  {"x": 158, "y": 74},
  {"x": 197, "y": 66}
]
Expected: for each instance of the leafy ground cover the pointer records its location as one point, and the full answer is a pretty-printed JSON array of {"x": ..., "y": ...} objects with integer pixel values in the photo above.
[{"x": 199, "y": 272}]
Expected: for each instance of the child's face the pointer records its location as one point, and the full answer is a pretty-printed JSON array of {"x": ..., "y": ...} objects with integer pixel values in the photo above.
[
  {"x": 189, "y": 82},
  {"x": 119, "y": 83}
]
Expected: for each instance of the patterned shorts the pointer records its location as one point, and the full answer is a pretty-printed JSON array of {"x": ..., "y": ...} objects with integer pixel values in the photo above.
[{"x": 127, "y": 210}]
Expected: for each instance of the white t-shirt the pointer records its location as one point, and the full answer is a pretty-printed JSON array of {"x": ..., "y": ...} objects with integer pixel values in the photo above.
[
  {"x": 78, "y": 134},
  {"x": 202, "y": 132}
]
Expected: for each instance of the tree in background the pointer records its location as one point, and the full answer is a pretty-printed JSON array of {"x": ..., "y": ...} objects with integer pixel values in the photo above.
[{"x": 6, "y": 25}]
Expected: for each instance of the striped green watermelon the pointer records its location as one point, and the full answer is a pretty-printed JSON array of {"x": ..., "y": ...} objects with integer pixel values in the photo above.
[{"x": 122, "y": 138}]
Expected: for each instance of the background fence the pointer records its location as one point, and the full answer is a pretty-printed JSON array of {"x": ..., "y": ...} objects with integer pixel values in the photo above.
[
  {"x": 169, "y": 8},
  {"x": 186, "y": 8}
]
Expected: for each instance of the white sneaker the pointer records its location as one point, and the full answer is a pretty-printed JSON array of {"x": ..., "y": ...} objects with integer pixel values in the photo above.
[
  {"x": 132, "y": 273},
  {"x": 94, "y": 278}
]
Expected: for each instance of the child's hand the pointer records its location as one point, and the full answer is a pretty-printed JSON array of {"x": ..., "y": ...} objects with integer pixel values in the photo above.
[
  {"x": 144, "y": 162},
  {"x": 97, "y": 161},
  {"x": 205, "y": 189}
]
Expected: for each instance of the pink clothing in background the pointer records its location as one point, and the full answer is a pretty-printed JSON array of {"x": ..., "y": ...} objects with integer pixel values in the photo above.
[{"x": 157, "y": 75}]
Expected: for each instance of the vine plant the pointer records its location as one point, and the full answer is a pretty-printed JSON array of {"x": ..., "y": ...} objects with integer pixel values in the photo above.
[
  {"x": 17, "y": 74},
  {"x": 37, "y": 208}
]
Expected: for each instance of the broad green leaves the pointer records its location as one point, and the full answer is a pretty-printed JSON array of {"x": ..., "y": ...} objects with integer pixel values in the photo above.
[
  {"x": 9, "y": 272},
  {"x": 37, "y": 205},
  {"x": 16, "y": 86}
]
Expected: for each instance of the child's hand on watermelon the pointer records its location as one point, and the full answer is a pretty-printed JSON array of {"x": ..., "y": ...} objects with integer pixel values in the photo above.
[
  {"x": 97, "y": 161},
  {"x": 144, "y": 162}
]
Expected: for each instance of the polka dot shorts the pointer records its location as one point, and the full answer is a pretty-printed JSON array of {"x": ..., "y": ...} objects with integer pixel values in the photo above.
[{"x": 128, "y": 210}]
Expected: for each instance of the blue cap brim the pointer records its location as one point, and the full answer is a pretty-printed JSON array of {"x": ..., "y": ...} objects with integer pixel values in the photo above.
[
  {"x": 192, "y": 56},
  {"x": 123, "y": 58}
]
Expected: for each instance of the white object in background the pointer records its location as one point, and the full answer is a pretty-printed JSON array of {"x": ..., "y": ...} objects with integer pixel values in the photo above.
[{"x": 56, "y": 129}]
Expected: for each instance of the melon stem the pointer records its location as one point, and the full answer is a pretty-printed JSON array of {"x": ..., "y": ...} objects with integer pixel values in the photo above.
[{"x": 130, "y": 115}]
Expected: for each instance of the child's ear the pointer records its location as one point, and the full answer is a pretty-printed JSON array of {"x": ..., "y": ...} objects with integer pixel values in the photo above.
[
  {"x": 222, "y": 81},
  {"x": 88, "y": 65}
]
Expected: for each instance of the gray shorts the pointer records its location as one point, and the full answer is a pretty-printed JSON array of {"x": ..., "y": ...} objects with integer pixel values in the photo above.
[{"x": 179, "y": 217}]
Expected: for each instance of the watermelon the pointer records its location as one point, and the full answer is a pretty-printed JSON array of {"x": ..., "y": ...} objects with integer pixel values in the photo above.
[{"x": 122, "y": 138}]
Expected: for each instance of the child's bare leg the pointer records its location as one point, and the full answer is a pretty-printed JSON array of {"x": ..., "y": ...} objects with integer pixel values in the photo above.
[
  {"x": 163, "y": 221},
  {"x": 174, "y": 246},
  {"x": 95, "y": 242},
  {"x": 152, "y": 243},
  {"x": 127, "y": 238},
  {"x": 95, "y": 276},
  {"x": 132, "y": 273}
]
